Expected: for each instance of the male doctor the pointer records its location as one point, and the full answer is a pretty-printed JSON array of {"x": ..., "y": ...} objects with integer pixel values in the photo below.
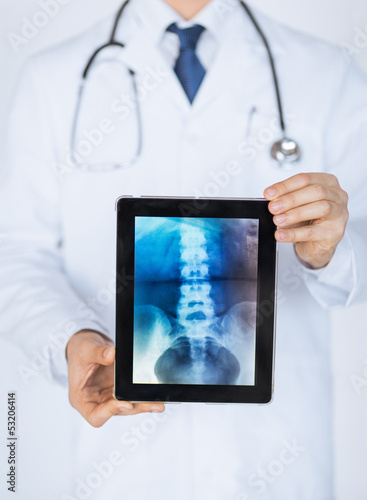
[{"x": 209, "y": 118}]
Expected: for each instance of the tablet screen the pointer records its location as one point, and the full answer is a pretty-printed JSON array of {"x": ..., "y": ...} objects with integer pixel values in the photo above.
[{"x": 195, "y": 300}]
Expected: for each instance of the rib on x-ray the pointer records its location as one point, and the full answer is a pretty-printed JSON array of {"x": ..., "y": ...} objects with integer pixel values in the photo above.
[{"x": 195, "y": 300}]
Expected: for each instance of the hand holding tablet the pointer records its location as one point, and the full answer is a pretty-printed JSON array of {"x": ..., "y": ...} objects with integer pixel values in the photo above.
[{"x": 195, "y": 323}]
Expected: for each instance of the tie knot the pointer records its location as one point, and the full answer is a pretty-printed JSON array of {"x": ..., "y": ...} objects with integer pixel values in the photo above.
[{"x": 188, "y": 36}]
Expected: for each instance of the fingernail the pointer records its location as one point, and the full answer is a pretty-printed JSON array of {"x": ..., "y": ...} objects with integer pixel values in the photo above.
[
  {"x": 157, "y": 409},
  {"x": 279, "y": 219},
  {"x": 105, "y": 352},
  {"x": 281, "y": 235},
  {"x": 276, "y": 205},
  {"x": 271, "y": 192}
]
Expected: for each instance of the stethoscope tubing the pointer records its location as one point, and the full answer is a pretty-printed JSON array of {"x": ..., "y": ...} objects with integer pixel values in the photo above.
[{"x": 280, "y": 151}]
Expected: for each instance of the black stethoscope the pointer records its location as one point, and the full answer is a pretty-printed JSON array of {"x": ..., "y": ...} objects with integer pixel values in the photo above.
[{"x": 284, "y": 151}]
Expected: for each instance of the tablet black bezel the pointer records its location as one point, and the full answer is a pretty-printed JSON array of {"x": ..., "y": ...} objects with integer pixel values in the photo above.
[{"x": 127, "y": 209}]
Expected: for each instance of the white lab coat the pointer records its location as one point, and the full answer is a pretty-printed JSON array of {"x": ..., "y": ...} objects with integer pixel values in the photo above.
[{"x": 58, "y": 251}]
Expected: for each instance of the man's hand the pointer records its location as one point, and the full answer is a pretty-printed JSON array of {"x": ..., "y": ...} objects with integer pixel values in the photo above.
[
  {"x": 91, "y": 358},
  {"x": 311, "y": 212}
]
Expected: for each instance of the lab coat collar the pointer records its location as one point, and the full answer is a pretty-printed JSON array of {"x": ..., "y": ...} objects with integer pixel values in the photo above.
[
  {"x": 157, "y": 15},
  {"x": 240, "y": 48},
  {"x": 219, "y": 17},
  {"x": 154, "y": 17},
  {"x": 147, "y": 61}
]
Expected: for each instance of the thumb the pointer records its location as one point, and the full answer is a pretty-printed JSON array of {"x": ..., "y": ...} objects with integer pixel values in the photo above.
[{"x": 102, "y": 354}]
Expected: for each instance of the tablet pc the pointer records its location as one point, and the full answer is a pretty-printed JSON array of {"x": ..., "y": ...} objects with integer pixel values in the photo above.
[{"x": 195, "y": 300}]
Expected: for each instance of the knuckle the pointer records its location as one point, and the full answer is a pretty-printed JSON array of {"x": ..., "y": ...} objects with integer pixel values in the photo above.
[
  {"x": 295, "y": 215},
  {"x": 325, "y": 208},
  {"x": 320, "y": 190},
  {"x": 333, "y": 178},
  {"x": 94, "y": 423},
  {"x": 346, "y": 215},
  {"x": 345, "y": 196},
  {"x": 309, "y": 232},
  {"x": 283, "y": 187},
  {"x": 291, "y": 235},
  {"x": 118, "y": 410},
  {"x": 114, "y": 410},
  {"x": 305, "y": 178},
  {"x": 340, "y": 231},
  {"x": 291, "y": 200}
]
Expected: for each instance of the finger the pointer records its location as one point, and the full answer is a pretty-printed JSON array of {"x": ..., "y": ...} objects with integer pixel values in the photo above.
[
  {"x": 299, "y": 181},
  {"x": 148, "y": 408},
  {"x": 138, "y": 408},
  {"x": 100, "y": 354},
  {"x": 308, "y": 233},
  {"x": 304, "y": 196},
  {"x": 317, "y": 210},
  {"x": 98, "y": 414}
]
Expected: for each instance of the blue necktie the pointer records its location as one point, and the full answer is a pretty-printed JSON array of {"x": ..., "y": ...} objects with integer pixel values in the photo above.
[{"x": 188, "y": 68}]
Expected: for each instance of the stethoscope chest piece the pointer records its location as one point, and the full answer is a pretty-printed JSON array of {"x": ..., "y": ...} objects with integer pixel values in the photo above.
[{"x": 285, "y": 152}]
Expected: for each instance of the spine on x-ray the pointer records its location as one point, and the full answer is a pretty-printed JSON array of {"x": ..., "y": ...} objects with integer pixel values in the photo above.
[{"x": 195, "y": 311}]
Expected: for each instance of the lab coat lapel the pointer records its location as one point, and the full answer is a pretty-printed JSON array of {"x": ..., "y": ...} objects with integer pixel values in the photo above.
[
  {"x": 223, "y": 71},
  {"x": 237, "y": 54},
  {"x": 142, "y": 56}
]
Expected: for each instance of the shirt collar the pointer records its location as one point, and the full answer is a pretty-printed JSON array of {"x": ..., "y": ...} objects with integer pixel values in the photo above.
[
  {"x": 157, "y": 15},
  {"x": 215, "y": 16}
]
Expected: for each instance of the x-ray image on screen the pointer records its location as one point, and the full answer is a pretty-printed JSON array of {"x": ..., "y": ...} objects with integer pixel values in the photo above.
[{"x": 195, "y": 300}]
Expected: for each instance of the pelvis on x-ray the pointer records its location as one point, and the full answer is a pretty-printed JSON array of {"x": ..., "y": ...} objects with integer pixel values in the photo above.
[{"x": 195, "y": 300}]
